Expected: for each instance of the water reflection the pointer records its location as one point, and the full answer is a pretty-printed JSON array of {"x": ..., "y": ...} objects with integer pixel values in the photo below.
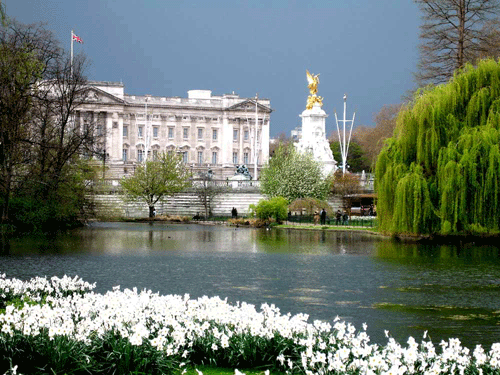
[{"x": 451, "y": 291}]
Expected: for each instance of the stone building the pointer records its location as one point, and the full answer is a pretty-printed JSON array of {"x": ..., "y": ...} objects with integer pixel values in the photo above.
[{"x": 211, "y": 132}]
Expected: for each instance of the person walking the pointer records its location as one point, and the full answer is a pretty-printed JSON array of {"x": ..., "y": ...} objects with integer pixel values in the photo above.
[
  {"x": 323, "y": 217},
  {"x": 338, "y": 217},
  {"x": 345, "y": 218}
]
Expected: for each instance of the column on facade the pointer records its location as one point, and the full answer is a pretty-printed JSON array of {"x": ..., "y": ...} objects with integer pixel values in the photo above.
[
  {"x": 225, "y": 128},
  {"x": 99, "y": 123},
  {"x": 240, "y": 142},
  {"x": 109, "y": 135},
  {"x": 226, "y": 141},
  {"x": 119, "y": 137},
  {"x": 264, "y": 146},
  {"x": 114, "y": 135}
]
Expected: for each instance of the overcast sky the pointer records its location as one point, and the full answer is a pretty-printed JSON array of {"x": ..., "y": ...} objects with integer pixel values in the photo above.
[{"x": 365, "y": 48}]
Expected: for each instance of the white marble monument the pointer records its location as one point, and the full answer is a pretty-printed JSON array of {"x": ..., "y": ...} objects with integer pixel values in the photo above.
[{"x": 313, "y": 138}]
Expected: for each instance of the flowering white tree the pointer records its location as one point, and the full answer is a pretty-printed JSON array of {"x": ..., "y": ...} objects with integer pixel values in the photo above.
[{"x": 291, "y": 174}]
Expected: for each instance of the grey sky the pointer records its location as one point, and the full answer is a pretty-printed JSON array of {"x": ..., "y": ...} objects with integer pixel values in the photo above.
[{"x": 365, "y": 48}]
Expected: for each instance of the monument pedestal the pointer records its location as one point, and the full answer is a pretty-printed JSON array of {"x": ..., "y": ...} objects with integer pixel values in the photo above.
[{"x": 314, "y": 138}]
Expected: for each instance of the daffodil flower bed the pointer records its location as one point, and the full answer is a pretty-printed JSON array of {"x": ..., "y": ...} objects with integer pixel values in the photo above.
[{"x": 61, "y": 326}]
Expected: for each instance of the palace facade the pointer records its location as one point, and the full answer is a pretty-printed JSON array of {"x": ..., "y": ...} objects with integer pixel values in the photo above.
[{"x": 210, "y": 132}]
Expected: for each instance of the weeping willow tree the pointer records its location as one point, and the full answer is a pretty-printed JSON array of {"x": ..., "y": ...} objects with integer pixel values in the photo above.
[{"x": 440, "y": 173}]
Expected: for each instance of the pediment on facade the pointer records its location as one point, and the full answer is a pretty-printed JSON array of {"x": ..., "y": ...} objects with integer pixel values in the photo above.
[
  {"x": 96, "y": 95},
  {"x": 249, "y": 106}
]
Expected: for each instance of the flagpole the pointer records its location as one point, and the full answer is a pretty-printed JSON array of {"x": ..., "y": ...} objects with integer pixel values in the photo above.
[
  {"x": 256, "y": 155},
  {"x": 71, "y": 61}
]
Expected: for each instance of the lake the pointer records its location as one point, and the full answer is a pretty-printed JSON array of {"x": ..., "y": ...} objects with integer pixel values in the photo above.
[{"x": 448, "y": 290}]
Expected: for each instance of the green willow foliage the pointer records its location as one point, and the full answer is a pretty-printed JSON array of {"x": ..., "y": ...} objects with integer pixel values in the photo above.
[{"x": 440, "y": 173}]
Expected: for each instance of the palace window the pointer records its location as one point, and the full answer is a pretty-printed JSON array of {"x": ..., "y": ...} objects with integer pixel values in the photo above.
[
  {"x": 246, "y": 135},
  {"x": 170, "y": 133},
  {"x": 155, "y": 131},
  {"x": 155, "y": 154},
  {"x": 214, "y": 134},
  {"x": 185, "y": 133},
  {"x": 200, "y": 157},
  {"x": 214, "y": 157},
  {"x": 125, "y": 130},
  {"x": 185, "y": 156},
  {"x": 200, "y": 133},
  {"x": 235, "y": 134},
  {"x": 235, "y": 158},
  {"x": 140, "y": 131},
  {"x": 245, "y": 158},
  {"x": 140, "y": 155},
  {"x": 124, "y": 154}
]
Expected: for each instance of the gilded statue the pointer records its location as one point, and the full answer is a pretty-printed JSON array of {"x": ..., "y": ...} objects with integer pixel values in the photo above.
[
  {"x": 313, "y": 99},
  {"x": 313, "y": 81}
]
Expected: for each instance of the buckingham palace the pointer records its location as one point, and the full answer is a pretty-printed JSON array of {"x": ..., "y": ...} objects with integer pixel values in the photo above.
[{"x": 210, "y": 132}]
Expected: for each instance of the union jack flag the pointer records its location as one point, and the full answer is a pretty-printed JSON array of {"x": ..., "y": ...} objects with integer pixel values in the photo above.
[{"x": 77, "y": 38}]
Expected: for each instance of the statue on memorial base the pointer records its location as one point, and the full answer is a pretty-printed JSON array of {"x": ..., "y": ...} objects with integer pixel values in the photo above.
[
  {"x": 313, "y": 139},
  {"x": 313, "y": 81}
]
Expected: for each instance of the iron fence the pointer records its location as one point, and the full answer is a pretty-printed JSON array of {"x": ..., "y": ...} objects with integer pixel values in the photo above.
[{"x": 353, "y": 221}]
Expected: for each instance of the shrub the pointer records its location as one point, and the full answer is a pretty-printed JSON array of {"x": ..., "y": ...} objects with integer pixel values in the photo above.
[{"x": 275, "y": 208}]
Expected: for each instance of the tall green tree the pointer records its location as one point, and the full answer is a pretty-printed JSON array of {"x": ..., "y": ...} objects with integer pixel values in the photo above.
[
  {"x": 453, "y": 33},
  {"x": 157, "y": 179},
  {"x": 291, "y": 174},
  {"x": 40, "y": 143},
  {"x": 440, "y": 173},
  {"x": 19, "y": 69},
  {"x": 26, "y": 54}
]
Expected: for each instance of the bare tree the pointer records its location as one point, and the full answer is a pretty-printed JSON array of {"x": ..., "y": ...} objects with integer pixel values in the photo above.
[
  {"x": 40, "y": 142},
  {"x": 345, "y": 186},
  {"x": 26, "y": 52},
  {"x": 206, "y": 190},
  {"x": 490, "y": 44},
  {"x": 371, "y": 139},
  {"x": 3, "y": 14},
  {"x": 57, "y": 137},
  {"x": 281, "y": 140},
  {"x": 451, "y": 35}
]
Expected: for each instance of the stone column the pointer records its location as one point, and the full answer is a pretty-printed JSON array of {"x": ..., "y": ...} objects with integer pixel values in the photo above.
[
  {"x": 226, "y": 141},
  {"x": 265, "y": 139}
]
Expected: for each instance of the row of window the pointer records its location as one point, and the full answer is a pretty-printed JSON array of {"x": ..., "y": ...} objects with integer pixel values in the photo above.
[
  {"x": 200, "y": 160},
  {"x": 185, "y": 133}
]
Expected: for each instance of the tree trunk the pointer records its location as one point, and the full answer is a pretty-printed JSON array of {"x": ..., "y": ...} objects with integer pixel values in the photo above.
[
  {"x": 152, "y": 212},
  {"x": 461, "y": 35}
]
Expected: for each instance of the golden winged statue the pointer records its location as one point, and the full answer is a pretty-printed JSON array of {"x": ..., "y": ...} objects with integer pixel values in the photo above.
[
  {"x": 313, "y": 81},
  {"x": 312, "y": 99}
]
